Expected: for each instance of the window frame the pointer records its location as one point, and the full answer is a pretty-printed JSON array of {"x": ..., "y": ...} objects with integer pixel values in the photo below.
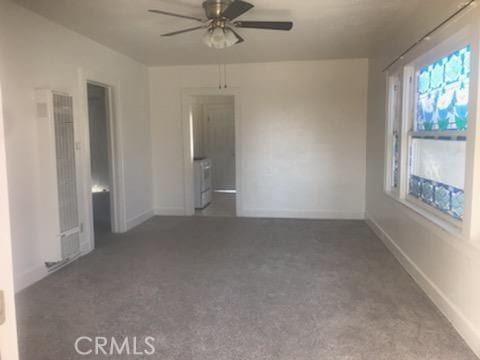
[
  {"x": 389, "y": 138},
  {"x": 468, "y": 35}
]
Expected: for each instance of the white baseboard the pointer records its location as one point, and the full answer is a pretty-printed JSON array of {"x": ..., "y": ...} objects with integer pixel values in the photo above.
[
  {"x": 460, "y": 322},
  {"x": 140, "y": 219},
  {"x": 29, "y": 277},
  {"x": 299, "y": 214},
  {"x": 170, "y": 212}
]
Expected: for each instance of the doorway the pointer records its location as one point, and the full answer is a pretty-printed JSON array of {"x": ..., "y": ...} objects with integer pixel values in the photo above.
[
  {"x": 214, "y": 153},
  {"x": 100, "y": 158}
]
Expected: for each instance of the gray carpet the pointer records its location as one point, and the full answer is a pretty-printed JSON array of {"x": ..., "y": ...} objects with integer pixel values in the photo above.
[{"x": 239, "y": 289}]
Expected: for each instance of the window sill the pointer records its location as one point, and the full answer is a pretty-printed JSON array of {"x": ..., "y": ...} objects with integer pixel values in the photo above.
[{"x": 428, "y": 217}]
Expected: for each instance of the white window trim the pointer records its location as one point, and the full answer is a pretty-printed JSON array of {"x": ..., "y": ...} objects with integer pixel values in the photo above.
[
  {"x": 390, "y": 109},
  {"x": 468, "y": 229}
]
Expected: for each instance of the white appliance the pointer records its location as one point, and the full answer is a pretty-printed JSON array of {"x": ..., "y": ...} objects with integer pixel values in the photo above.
[{"x": 202, "y": 179}]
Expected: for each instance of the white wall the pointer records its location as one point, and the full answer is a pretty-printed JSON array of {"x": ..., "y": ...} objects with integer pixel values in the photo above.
[
  {"x": 37, "y": 53},
  {"x": 447, "y": 267},
  {"x": 302, "y": 136},
  {"x": 199, "y": 105}
]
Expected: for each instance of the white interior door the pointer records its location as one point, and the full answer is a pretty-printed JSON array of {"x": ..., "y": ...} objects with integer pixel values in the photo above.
[
  {"x": 220, "y": 123},
  {"x": 8, "y": 326}
]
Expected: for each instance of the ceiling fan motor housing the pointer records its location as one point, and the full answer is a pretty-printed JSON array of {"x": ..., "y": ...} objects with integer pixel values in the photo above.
[{"x": 215, "y": 8}]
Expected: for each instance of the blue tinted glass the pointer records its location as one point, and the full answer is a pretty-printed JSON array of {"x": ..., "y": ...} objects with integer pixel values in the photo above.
[
  {"x": 443, "y": 93},
  {"x": 447, "y": 199}
]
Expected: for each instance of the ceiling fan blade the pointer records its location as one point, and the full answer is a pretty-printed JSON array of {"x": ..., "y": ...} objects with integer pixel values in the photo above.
[
  {"x": 176, "y": 15},
  {"x": 240, "y": 39},
  {"x": 184, "y": 31},
  {"x": 266, "y": 25},
  {"x": 236, "y": 8}
]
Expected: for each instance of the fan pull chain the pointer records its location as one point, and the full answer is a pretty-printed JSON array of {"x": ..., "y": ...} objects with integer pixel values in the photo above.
[
  {"x": 225, "y": 75},
  {"x": 219, "y": 77}
]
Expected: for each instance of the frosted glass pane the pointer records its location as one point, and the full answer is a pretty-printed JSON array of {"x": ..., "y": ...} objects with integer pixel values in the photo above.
[
  {"x": 439, "y": 160},
  {"x": 443, "y": 93},
  {"x": 437, "y": 174}
]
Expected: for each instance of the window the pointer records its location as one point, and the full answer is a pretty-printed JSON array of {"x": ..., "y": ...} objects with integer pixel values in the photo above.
[
  {"x": 437, "y": 151},
  {"x": 431, "y": 102},
  {"x": 394, "y": 136}
]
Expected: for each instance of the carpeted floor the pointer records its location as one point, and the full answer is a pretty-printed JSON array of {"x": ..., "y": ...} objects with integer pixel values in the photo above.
[{"x": 239, "y": 289}]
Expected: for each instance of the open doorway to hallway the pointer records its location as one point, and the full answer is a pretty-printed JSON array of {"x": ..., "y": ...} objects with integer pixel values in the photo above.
[
  {"x": 213, "y": 124},
  {"x": 100, "y": 157}
]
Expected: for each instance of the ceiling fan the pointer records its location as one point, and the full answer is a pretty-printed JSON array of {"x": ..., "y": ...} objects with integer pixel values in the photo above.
[{"x": 220, "y": 22}]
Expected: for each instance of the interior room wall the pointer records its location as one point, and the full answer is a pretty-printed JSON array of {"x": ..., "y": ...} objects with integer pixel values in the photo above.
[
  {"x": 301, "y": 133},
  {"x": 447, "y": 267},
  {"x": 199, "y": 105},
  {"x": 37, "y": 53}
]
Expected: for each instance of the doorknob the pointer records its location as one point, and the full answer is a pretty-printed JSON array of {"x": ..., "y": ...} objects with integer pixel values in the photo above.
[{"x": 2, "y": 308}]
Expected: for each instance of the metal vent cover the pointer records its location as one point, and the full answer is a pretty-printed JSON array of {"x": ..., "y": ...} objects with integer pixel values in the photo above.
[{"x": 66, "y": 173}]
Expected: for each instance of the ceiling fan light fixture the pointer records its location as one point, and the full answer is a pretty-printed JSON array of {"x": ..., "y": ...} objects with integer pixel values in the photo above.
[
  {"x": 217, "y": 37},
  {"x": 220, "y": 38},
  {"x": 207, "y": 39}
]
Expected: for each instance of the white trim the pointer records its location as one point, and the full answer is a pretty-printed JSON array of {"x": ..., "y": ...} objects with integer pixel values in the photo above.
[
  {"x": 118, "y": 196},
  {"x": 300, "y": 214},
  {"x": 407, "y": 109},
  {"x": 458, "y": 319},
  {"x": 170, "y": 212},
  {"x": 116, "y": 221},
  {"x": 8, "y": 331},
  {"x": 393, "y": 79},
  {"x": 187, "y": 96},
  {"x": 140, "y": 219}
]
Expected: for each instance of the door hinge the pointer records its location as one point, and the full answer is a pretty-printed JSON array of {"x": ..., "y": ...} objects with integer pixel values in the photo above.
[{"x": 2, "y": 308}]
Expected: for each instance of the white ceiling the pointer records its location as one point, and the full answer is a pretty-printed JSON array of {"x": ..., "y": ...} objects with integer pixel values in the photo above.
[{"x": 323, "y": 28}]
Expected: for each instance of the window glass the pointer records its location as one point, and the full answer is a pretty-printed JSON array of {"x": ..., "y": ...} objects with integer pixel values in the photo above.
[
  {"x": 437, "y": 174},
  {"x": 443, "y": 93},
  {"x": 437, "y": 151}
]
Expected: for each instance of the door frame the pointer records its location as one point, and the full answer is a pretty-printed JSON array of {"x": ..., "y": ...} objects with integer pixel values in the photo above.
[
  {"x": 188, "y": 95},
  {"x": 116, "y": 159},
  {"x": 8, "y": 331}
]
